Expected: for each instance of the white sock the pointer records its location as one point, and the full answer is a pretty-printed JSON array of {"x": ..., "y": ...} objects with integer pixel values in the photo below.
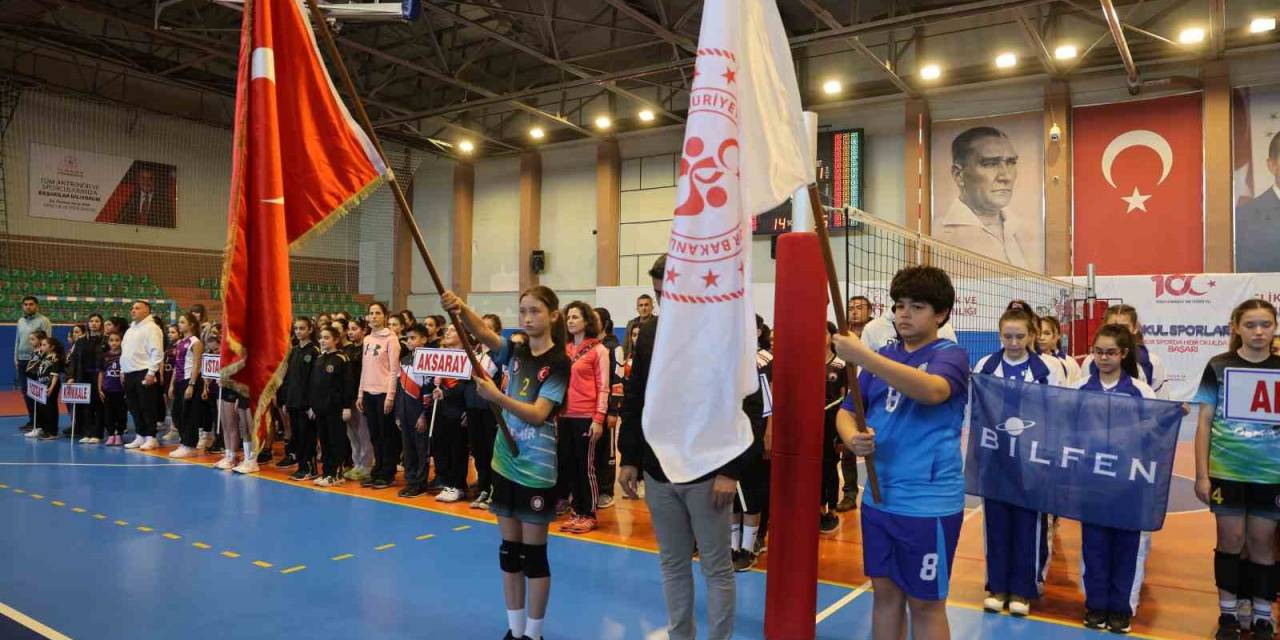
[
  {"x": 749, "y": 537},
  {"x": 735, "y": 538},
  {"x": 516, "y": 621},
  {"x": 534, "y": 629},
  {"x": 1261, "y": 609}
]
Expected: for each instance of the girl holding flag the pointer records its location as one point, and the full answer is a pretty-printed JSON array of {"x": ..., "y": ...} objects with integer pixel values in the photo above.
[
  {"x": 1017, "y": 539},
  {"x": 524, "y": 482},
  {"x": 1113, "y": 560},
  {"x": 1238, "y": 474}
]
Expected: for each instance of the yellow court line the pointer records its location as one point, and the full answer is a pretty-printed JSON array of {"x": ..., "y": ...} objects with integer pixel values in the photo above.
[
  {"x": 145, "y": 529},
  {"x": 200, "y": 545},
  {"x": 122, "y": 523},
  {"x": 3, "y": 486},
  {"x": 264, "y": 565},
  {"x": 230, "y": 554},
  {"x": 19, "y": 490},
  {"x": 425, "y": 536},
  {"x": 78, "y": 509},
  {"x": 58, "y": 503},
  {"x": 173, "y": 536},
  {"x": 36, "y": 496},
  {"x": 384, "y": 547},
  {"x": 462, "y": 528},
  {"x": 294, "y": 569},
  {"x": 30, "y": 623},
  {"x": 345, "y": 556},
  {"x": 99, "y": 516}
]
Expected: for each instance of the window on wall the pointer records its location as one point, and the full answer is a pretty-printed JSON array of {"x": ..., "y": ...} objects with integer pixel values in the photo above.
[{"x": 648, "y": 189}]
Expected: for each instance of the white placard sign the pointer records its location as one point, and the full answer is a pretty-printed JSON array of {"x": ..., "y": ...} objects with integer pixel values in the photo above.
[
  {"x": 211, "y": 366},
  {"x": 766, "y": 392},
  {"x": 443, "y": 363},
  {"x": 1252, "y": 395},
  {"x": 37, "y": 391},
  {"x": 77, "y": 393}
]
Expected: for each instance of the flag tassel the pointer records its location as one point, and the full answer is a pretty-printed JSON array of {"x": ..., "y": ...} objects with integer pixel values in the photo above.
[
  {"x": 406, "y": 212},
  {"x": 842, "y": 323}
]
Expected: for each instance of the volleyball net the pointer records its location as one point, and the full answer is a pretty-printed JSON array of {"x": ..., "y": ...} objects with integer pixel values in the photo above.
[
  {"x": 102, "y": 204},
  {"x": 876, "y": 249}
]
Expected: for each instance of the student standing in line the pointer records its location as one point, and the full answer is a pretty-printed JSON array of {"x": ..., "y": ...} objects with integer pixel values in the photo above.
[
  {"x": 111, "y": 392},
  {"x": 182, "y": 385},
  {"x": 297, "y": 382},
  {"x": 1050, "y": 343},
  {"x": 607, "y": 447},
  {"x": 82, "y": 367},
  {"x": 329, "y": 397},
  {"x": 751, "y": 507},
  {"x": 411, "y": 388},
  {"x": 859, "y": 313},
  {"x": 524, "y": 485},
  {"x": 1238, "y": 476},
  {"x": 482, "y": 426},
  {"x": 357, "y": 431},
  {"x": 449, "y": 440},
  {"x": 379, "y": 371},
  {"x": 50, "y": 370},
  {"x": 206, "y": 408},
  {"x": 1018, "y": 540},
  {"x": 834, "y": 391},
  {"x": 915, "y": 391},
  {"x": 581, "y": 424},
  {"x": 1150, "y": 367}
]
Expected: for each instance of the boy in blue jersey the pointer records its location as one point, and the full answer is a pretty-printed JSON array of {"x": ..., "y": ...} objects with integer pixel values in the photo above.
[{"x": 914, "y": 392}]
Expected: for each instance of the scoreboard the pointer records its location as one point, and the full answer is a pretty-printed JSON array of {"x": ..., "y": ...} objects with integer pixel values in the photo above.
[{"x": 839, "y": 182}]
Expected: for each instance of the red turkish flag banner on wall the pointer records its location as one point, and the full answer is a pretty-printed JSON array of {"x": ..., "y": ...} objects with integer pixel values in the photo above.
[
  {"x": 1139, "y": 186},
  {"x": 300, "y": 162}
]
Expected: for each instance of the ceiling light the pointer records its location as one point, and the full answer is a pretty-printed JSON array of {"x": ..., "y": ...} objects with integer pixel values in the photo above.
[
  {"x": 1065, "y": 52},
  {"x": 646, "y": 115},
  {"x": 1262, "y": 25},
  {"x": 1007, "y": 60},
  {"x": 466, "y": 146},
  {"x": 536, "y": 133},
  {"x": 831, "y": 87},
  {"x": 1191, "y": 35},
  {"x": 931, "y": 72},
  {"x": 603, "y": 122}
]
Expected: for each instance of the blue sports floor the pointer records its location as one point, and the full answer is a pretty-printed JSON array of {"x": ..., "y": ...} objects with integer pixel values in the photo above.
[{"x": 102, "y": 543}]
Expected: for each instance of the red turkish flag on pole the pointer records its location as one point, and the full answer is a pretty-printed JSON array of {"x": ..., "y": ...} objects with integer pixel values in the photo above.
[
  {"x": 1139, "y": 186},
  {"x": 300, "y": 162}
]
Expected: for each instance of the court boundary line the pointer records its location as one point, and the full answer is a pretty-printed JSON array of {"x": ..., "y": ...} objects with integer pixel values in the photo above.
[
  {"x": 89, "y": 464},
  {"x": 31, "y": 623},
  {"x": 844, "y": 600}
]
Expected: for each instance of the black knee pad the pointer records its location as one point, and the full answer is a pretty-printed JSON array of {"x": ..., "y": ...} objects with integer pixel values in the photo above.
[
  {"x": 1263, "y": 579},
  {"x": 509, "y": 558},
  {"x": 535, "y": 561},
  {"x": 1227, "y": 568}
]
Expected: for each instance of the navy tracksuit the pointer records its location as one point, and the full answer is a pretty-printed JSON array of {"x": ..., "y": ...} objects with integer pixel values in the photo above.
[{"x": 1018, "y": 540}]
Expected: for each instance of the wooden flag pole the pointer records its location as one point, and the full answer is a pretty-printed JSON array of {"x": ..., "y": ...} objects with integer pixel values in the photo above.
[
  {"x": 842, "y": 322},
  {"x": 406, "y": 212}
]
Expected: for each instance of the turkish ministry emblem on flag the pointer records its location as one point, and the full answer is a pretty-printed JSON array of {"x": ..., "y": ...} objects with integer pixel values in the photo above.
[{"x": 1139, "y": 187}]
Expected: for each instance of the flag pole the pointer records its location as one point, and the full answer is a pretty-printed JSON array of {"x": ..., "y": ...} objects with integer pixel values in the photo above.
[
  {"x": 406, "y": 212},
  {"x": 842, "y": 323}
]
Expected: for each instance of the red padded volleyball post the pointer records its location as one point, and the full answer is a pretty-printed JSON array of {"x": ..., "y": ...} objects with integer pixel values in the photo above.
[{"x": 800, "y": 320}]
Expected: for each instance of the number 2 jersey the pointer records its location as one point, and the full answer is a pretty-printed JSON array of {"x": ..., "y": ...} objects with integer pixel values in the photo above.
[
  {"x": 1238, "y": 450},
  {"x": 918, "y": 457},
  {"x": 529, "y": 378}
]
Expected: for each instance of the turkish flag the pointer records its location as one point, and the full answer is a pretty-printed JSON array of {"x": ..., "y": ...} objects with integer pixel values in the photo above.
[
  {"x": 1139, "y": 186},
  {"x": 299, "y": 162}
]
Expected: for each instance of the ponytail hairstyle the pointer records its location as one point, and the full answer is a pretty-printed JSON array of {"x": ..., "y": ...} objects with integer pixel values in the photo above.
[
  {"x": 1018, "y": 314},
  {"x": 1124, "y": 310},
  {"x": 1124, "y": 340},
  {"x": 549, "y": 299},
  {"x": 56, "y": 349},
  {"x": 1237, "y": 314},
  {"x": 1050, "y": 321},
  {"x": 311, "y": 326},
  {"x": 1034, "y": 317},
  {"x": 193, "y": 324}
]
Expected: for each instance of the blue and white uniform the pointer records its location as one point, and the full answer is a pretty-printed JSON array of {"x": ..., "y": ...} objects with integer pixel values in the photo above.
[
  {"x": 1018, "y": 540},
  {"x": 1112, "y": 561},
  {"x": 1151, "y": 371},
  {"x": 910, "y": 537},
  {"x": 1070, "y": 368}
]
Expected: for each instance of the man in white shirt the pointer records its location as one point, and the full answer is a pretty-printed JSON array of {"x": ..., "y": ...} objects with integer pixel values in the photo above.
[
  {"x": 984, "y": 165},
  {"x": 141, "y": 356}
]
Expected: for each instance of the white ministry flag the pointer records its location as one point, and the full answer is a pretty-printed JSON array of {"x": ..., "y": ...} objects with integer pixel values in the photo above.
[{"x": 745, "y": 152}]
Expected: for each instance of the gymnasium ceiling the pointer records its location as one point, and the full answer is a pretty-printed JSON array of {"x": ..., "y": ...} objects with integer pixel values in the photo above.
[{"x": 490, "y": 70}]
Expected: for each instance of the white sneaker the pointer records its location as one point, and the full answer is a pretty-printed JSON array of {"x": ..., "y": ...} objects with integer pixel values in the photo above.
[
  {"x": 170, "y": 437},
  {"x": 448, "y": 494},
  {"x": 206, "y": 439},
  {"x": 994, "y": 602},
  {"x": 150, "y": 444},
  {"x": 1019, "y": 607},
  {"x": 249, "y": 465},
  {"x": 225, "y": 463},
  {"x": 34, "y": 433},
  {"x": 84, "y": 440},
  {"x": 135, "y": 443},
  {"x": 182, "y": 452},
  {"x": 91, "y": 441}
]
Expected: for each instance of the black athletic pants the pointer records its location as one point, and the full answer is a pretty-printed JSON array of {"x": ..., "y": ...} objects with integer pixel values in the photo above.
[
  {"x": 90, "y": 421},
  {"x": 143, "y": 400},
  {"x": 449, "y": 451},
  {"x": 414, "y": 446},
  {"x": 830, "y": 461},
  {"x": 181, "y": 412},
  {"x": 304, "y": 439},
  {"x": 385, "y": 437},
  {"x": 577, "y": 452},
  {"x": 115, "y": 413},
  {"x": 606, "y": 459},
  {"x": 482, "y": 428},
  {"x": 333, "y": 442}
]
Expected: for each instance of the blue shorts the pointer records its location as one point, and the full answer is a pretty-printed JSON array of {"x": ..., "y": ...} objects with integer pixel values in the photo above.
[{"x": 915, "y": 552}]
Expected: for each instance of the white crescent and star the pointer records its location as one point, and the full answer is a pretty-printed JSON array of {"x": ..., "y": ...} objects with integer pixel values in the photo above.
[{"x": 1138, "y": 138}]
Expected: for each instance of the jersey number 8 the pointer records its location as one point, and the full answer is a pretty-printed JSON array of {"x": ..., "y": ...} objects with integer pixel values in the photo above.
[{"x": 929, "y": 567}]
